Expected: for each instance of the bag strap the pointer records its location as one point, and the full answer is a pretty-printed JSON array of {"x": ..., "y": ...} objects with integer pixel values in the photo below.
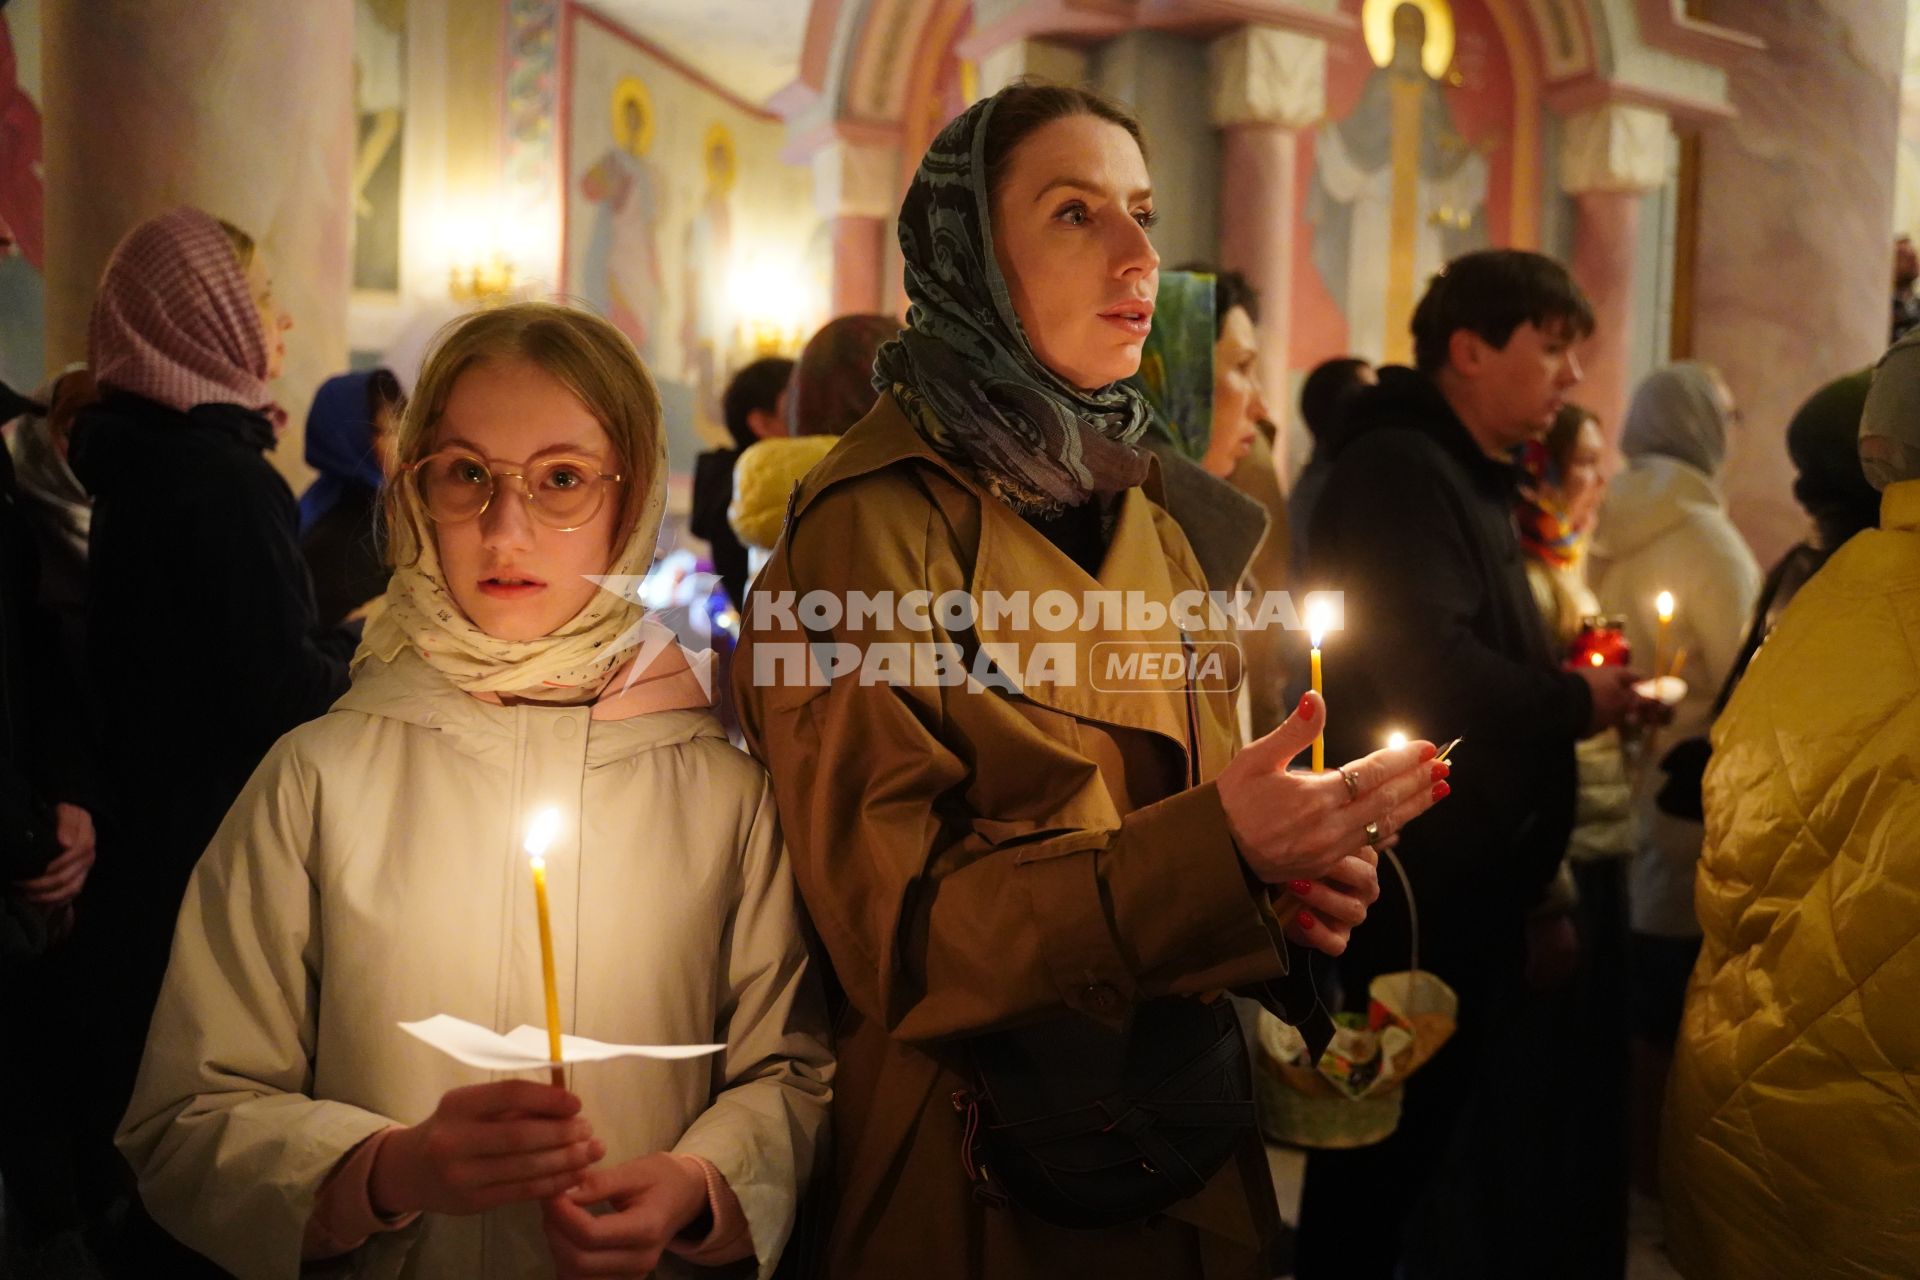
[{"x": 1413, "y": 917}]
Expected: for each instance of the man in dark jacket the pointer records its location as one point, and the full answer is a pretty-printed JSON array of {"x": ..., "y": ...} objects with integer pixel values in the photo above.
[{"x": 1441, "y": 639}]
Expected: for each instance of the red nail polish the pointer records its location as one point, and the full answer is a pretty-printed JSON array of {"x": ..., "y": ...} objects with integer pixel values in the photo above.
[
  {"x": 1306, "y": 706},
  {"x": 1428, "y": 751},
  {"x": 1441, "y": 790},
  {"x": 1299, "y": 887},
  {"x": 1442, "y": 770},
  {"x": 1304, "y": 919}
]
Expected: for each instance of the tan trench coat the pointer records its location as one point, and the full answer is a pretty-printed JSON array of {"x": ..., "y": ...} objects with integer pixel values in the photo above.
[
  {"x": 371, "y": 873},
  {"x": 973, "y": 860}
]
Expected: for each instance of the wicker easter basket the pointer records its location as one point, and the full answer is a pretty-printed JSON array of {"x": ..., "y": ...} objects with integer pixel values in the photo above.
[{"x": 1351, "y": 1097}]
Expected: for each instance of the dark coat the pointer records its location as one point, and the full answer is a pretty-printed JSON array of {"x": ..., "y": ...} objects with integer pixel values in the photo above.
[
  {"x": 344, "y": 554},
  {"x": 43, "y": 757},
  {"x": 1442, "y": 639},
  {"x": 42, "y": 721},
  {"x": 712, "y": 493},
  {"x": 203, "y": 643}
]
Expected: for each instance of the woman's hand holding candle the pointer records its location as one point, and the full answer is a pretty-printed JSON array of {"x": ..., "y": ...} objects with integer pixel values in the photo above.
[
  {"x": 485, "y": 1146},
  {"x": 1305, "y": 827},
  {"x": 650, "y": 1201}
]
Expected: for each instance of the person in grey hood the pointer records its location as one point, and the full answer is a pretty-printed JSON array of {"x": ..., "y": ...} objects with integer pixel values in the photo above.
[{"x": 1665, "y": 528}]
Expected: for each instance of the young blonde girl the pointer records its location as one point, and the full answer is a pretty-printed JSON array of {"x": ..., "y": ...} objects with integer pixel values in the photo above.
[{"x": 371, "y": 873}]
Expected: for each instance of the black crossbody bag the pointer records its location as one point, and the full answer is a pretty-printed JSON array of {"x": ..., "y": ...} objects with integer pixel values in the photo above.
[{"x": 1084, "y": 1126}]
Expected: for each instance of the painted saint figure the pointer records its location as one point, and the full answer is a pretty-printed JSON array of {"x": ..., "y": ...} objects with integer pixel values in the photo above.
[
  {"x": 621, "y": 277},
  {"x": 706, "y": 329},
  {"x": 1398, "y": 192}
]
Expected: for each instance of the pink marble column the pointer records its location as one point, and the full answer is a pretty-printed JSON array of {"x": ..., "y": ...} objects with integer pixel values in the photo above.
[
  {"x": 1609, "y": 156},
  {"x": 243, "y": 109},
  {"x": 1796, "y": 215},
  {"x": 859, "y": 247},
  {"x": 1268, "y": 84},
  {"x": 1605, "y": 230},
  {"x": 855, "y": 191},
  {"x": 1257, "y": 164}
]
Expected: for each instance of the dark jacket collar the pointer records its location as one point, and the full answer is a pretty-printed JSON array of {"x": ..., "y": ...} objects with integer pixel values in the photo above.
[
  {"x": 1407, "y": 400},
  {"x": 1224, "y": 526},
  {"x": 127, "y": 440}
]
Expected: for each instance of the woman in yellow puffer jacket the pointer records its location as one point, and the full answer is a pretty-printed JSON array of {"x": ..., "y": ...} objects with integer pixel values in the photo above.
[
  {"x": 832, "y": 389},
  {"x": 1793, "y": 1130}
]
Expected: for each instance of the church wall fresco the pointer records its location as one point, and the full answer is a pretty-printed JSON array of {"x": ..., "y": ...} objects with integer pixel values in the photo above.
[
  {"x": 22, "y": 199},
  {"x": 683, "y": 225},
  {"x": 1417, "y": 154}
]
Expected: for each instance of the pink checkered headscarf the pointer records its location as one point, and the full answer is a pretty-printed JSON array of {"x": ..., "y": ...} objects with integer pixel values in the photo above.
[{"x": 175, "y": 321}]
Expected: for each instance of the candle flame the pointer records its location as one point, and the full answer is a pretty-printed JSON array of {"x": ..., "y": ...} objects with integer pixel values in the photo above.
[
  {"x": 540, "y": 833},
  {"x": 1597, "y": 660},
  {"x": 1663, "y": 604},
  {"x": 1396, "y": 740},
  {"x": 1319, "y": 621}
]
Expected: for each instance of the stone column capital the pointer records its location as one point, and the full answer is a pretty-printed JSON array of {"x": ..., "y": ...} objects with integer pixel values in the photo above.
[
  {"x": 857, "y": 180},
  {"x": 1001, "y": 65},
  {"x": 1267, "y": 75},
  {"x": 1614, "y": 147}
]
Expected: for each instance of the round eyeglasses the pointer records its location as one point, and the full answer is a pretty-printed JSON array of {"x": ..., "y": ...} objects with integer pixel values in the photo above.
[{"x": 456, "y": 485}]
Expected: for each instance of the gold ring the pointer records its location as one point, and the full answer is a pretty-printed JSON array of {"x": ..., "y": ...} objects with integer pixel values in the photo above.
[{"x": 1353, "y": 784}]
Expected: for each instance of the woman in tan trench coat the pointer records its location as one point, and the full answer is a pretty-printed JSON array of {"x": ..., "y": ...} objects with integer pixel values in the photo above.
[{"x": 995, "y": 823}]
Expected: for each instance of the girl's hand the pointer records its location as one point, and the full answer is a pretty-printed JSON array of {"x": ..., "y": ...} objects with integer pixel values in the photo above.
[
  {"x": 652, "y": 1200},
  {"x": 485, "y": 1146}
]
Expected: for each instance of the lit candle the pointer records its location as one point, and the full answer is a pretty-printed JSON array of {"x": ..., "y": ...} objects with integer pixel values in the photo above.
[
  {"x": 1316, "y": 631},
  {"x": 540, "y": 833},
  {"x": 1663, "y": 608},
  {"x": 1396, "y": 740}
]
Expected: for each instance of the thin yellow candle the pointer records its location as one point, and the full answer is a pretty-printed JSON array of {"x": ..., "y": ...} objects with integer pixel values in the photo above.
[
  {"x": 540, "y": 835},
  {"x": 1663, "y": 609},
  {"x": 1316, "y": 632}
]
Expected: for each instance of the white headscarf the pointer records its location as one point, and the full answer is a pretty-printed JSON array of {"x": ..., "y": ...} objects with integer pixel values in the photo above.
[
  {"x": 570, "y": 664},
  {"x": 1890, "y": 424},
  {"x": 1676, "y": 414}
]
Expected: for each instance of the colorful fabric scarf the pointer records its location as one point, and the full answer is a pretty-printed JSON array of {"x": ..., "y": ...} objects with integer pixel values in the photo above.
[
  {"x": 1545, "y": 533},
  {"x": 963, "y": 371},
  {"x": 1176, "y": 366}
]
